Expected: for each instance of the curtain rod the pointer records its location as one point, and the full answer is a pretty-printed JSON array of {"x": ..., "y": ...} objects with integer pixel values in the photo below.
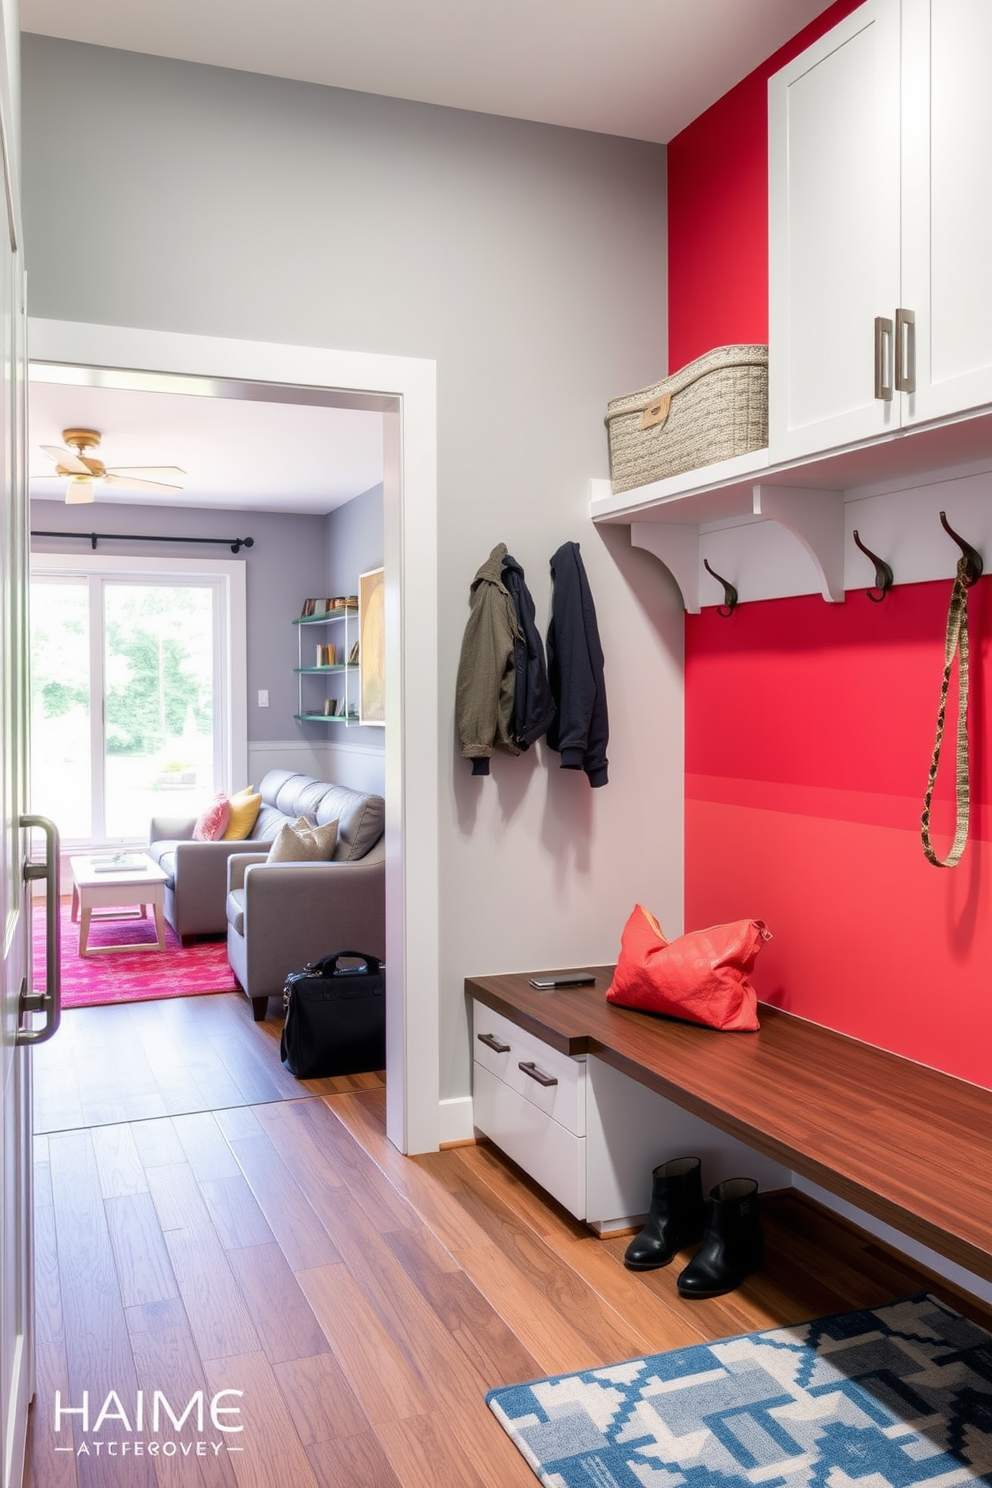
[{"x": 94, "y": 537}]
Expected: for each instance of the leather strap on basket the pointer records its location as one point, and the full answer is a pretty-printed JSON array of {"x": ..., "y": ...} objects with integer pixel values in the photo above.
[{"x": 956, "y": 644}]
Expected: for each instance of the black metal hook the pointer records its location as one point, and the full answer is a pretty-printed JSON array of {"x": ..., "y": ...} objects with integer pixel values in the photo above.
[
  {"x": 883, "y": 572},
  {"x": 729, "y": 592},
  {"x": 973, "y": 559}
]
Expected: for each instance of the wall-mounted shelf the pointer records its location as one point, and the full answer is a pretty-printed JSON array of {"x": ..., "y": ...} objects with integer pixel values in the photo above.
[
  {"x": 326, "y": 617},
  {"x": 322, "y": 670},
  {"x": 346, "y": 706},
  {"x": 801, "y": 506},
  {"x": 326, "y": 718}
]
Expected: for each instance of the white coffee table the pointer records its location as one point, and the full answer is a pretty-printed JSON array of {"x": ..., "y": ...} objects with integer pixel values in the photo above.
[{"x": 98, "y": 884}]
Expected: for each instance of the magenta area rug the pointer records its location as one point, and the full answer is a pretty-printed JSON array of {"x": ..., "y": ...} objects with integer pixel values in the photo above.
[{"x": 131, "y": 976}]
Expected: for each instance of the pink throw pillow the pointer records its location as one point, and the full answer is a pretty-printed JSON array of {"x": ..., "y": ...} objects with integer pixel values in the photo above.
[{"x": 212, "y": 823}]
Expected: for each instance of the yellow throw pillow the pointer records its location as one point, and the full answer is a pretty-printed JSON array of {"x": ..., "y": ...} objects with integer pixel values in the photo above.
[{"x": 245, "y": 807}]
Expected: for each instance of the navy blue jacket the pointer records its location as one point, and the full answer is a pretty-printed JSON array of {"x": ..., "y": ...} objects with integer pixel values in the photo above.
[
  {"x": 533, "y": 705},
  {"x": 581, "y": 729}
]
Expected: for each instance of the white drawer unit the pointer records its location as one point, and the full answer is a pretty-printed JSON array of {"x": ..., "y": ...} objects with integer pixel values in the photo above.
[
  {"x": 552, "y": 1082},
  {"x": 552, "y": 1155},
  {"x": 587, "y": 1134},
  {"x": 531, "y": 1101}
]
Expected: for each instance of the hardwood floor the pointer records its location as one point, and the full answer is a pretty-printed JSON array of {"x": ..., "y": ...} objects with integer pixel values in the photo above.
[
  {"x": 275, "y": 1243},
  {"x": 178, "y": 1055}
]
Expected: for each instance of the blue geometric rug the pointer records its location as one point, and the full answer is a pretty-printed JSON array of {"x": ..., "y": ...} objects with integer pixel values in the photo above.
[{"x": 891, "y": 1398}]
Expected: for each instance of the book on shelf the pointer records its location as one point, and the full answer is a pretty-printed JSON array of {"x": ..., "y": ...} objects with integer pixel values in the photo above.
[{"x": 325, "y": 655}]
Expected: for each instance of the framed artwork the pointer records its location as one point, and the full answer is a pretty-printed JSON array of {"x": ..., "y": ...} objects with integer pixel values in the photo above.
[{"x": 372, "y": 648}]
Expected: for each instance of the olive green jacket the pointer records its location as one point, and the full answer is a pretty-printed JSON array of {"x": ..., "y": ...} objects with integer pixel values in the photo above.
[{"x": 484, "y": 694}]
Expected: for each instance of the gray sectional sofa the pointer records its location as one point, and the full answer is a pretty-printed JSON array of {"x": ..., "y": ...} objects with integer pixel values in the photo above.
[{"x": 279, "y": 916}]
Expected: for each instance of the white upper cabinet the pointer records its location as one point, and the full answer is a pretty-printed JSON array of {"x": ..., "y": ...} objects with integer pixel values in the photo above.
[
  {"x": 947, "y": 202},
  {"x": 833, "y": 250},
  {"x": 880, "y": 225}
]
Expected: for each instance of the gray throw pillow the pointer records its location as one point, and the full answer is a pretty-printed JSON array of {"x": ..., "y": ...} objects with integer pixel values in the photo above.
[{"x": 302, "y": 842}]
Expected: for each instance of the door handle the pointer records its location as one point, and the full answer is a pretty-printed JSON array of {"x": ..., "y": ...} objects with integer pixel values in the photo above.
[
  {"x": 48, "y": 1002},
  {"x": 530, "y": 1068},
  {"x": 883, "y": 363},
  {"x": 905, "y": 351},
  {"x": 492, "y": 1042}
]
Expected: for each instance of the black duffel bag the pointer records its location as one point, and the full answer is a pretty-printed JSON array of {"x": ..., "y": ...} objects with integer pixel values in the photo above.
[{"x": 335, "y": 1017}]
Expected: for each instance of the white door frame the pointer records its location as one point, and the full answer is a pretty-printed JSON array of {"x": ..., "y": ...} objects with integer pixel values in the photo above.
[{"x": 406, "y": 387}]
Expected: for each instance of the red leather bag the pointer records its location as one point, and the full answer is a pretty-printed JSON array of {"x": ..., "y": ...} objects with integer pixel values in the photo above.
[{"x": 701, "y": 977}]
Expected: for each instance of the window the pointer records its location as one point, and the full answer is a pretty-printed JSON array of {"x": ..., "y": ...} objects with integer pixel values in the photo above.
[{"x": 133, "y": 691}]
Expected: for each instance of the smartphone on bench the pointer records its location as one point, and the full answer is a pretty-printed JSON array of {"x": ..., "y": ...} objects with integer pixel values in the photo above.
[{"x": 562, "y": 979}]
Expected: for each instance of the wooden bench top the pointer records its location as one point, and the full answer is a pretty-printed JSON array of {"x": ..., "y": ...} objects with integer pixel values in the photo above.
[{"x": 903, "y": 1142}]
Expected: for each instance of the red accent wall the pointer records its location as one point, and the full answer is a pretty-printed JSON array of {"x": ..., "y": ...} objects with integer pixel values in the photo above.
[
  {"x": 809, "y": 726},
  {"x": 718, "y": 212},
  {"x": 809, "y": 730}
]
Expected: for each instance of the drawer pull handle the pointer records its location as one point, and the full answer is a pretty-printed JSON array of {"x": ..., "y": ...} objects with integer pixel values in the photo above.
[
  {"x": 531, "y": 1069},
  {"x": 883, "y": 358},
  {"x": 905, "y": 351},
  {"x": 492, "y": 1042}
]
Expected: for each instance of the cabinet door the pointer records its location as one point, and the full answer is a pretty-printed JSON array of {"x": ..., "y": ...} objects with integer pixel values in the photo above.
[
  {"x": 834, "y": 228},
  {"x": 947, "y": 204}
]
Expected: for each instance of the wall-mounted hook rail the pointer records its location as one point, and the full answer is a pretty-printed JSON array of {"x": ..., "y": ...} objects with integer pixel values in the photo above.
[
  {"x": 883, "y": 572},
  {"x": 729, "y": 592},
  {"x": 972, "y": 557}
]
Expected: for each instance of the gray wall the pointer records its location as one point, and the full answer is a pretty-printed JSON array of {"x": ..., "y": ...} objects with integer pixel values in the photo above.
[
  {"x": 530, "y": 262},
  {"x": 285, "y": 565},
  {"x": 354, "y": 541},
  {"x": 356, "y": 756}
]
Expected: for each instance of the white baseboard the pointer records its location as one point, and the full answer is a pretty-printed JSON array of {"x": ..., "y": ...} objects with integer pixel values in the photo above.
[
  {"x": 966, "y": 1280},
  {"x": 455, "y": 1124}
]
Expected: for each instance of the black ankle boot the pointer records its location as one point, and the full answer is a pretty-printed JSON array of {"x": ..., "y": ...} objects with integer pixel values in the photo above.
[
  {"x": 677, "y": 1215},
  {"x": 732, "y": 1246}
]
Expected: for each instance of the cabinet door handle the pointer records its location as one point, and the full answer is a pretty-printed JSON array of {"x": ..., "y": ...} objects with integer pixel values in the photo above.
[
  {"x": 48, "y": 1002},
  {"x": 905, "y": 351},
  {"x": 883, "y": 363},
  {"x": 492, "y": 1042},
  {"x": 531, "y": 1069}
]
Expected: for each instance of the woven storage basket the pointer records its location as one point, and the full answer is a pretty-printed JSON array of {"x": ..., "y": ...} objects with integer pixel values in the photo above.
[{"x": 711, "y": 409}]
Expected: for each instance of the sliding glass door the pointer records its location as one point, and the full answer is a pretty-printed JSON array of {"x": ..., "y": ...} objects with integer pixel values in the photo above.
[
  {"x": 160, "y": 753},
  {"x": 127, "y": 702}
]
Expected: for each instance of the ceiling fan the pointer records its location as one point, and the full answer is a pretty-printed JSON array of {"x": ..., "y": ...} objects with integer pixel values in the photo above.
[{"x": 83, "y": 470}]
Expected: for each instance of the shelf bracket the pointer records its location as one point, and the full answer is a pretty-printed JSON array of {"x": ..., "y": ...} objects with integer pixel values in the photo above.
[
  {"x": 677, "y": 547},
  {"x": 816, "y": 518}
]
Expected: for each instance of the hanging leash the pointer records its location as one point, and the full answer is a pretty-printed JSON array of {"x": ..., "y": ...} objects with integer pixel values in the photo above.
[{"x": 956, "y": 644}]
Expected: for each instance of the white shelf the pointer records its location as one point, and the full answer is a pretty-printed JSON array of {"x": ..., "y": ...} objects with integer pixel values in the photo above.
[
  {"x": 704, "y": 495},
  {"x": 674, "y": 518}
]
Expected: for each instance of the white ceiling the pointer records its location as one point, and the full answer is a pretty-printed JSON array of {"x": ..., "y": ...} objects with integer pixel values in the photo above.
[
  {"x": 237, "y": 453},
  {"x": 643, "y": 69}
]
